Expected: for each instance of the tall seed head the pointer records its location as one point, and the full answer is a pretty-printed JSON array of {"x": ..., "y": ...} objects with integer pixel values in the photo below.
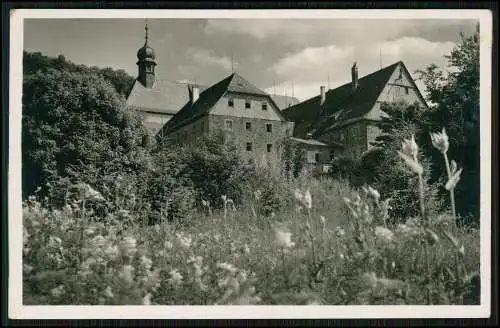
[
  {"x": 440, "y": 141},
  {"x": 410, "y": 147}
]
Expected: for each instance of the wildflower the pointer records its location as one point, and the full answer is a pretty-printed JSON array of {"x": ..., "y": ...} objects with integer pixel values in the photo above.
[
  {"x": 185, "y": 241},
  {"x": 432, "y": 237},
  {"x": 145, "y": 263},
  {"x": 227, "y": 267},
  {"x": 26, "y": 236},
  {"x": 88, "y": 231},
  {"x": 246, "y": 249},
  {"x": 384, "y": 234},
  {"x": 123, "y": 214},
  {"x": 283, "y": 239},
  {"x": 58, "y": 291},
  {"x": 308, "y": 199},
  {"x": 128, "y": 246},
  {"x": 112, "y": 252},
  {"x": 323, "y": 220},
  {"x": 147, "y": 299},
  {"x": 440, "y": 141},
  {"x": 461, "y": 250},
  {"x": 175, "y": 277},
  {"x": 339, "y": 231},
  {"x": 91, "y": 194},
  {"x": 127, "y": 274},
  {"x": 257, "y": 194},
  {"x": 410, "y": 147},
  {"x": 373, "y": 193},
  {"x": 205, "y": 203},
  {"x": 298, "y": 195},
  {"x": 453, "y": 167},
  {"x": 412, "y": 163},
  {"x": 27, "y": 268},
  {"x": 452, "y": 182},
  {"x": 99, "y": 241},
  {"x": 108, "y": 292},
  {"x": 54, "y": 241}
]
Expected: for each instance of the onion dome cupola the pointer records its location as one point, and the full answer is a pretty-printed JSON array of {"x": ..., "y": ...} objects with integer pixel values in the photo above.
[{"x": 146, "y": 63}]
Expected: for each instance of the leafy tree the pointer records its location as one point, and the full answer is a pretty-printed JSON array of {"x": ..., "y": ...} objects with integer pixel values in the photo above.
[
  {"x": 382, "y": 167},
  {"x": 454, "y": 99},
  {"x": 75, "y": 118},
  {"x": 293, "y": 158},
  {"x": 215, "y": 169},
  {"x": 34, "y": 62}
]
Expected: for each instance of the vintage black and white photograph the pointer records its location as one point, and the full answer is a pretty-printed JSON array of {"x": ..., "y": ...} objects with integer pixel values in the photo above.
[{"x": 180, "y": 161}]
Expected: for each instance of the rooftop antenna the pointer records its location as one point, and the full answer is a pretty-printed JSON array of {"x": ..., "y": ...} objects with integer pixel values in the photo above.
[
  {"x": 380, "y": 58},
  {"x": 232, "y": 63}
]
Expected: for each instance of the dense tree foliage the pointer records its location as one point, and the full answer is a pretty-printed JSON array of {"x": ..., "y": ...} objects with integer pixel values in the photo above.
[
  {"x": 34, "y": 62},
  {"x": 75, "y": 118},
  {"x": 454, "y": 98}
]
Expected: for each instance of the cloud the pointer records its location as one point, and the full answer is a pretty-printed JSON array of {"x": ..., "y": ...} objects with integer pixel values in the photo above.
[
  {"x": 314, "y": 66},
  {"x": 208, "y": 58},
  {"x": 309, "y": 60}
]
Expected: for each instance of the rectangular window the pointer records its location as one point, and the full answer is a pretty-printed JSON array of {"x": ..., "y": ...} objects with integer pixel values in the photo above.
[
  {"x": 230, "y": 102},
  {"x": 247, "y": 104},
  {"x": 316, "y": 157},
  {"x": 269, "y": 148},
  {"x": 202, "y": 126},
  {"x": 248, "y": 126},
  {"x": 269, "y": 127},
  {"x": 407, "y": 90},
  {"x": 332, "y": 154},
  {"x": 249, "y": 146},
  {"x": 229, "y": 124},
  {"x": 264, "y": 106}
]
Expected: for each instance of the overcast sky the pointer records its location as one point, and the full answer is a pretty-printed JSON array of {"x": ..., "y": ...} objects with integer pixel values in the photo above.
[{"x": 300, "y": 53}]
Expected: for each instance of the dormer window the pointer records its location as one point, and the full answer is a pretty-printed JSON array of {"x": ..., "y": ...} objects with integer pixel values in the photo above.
[{"x": 264, "y": 106}]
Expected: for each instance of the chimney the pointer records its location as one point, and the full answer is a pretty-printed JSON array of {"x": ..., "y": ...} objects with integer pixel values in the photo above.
[
  {"x": 354, "y": 74},
  {"x": 323, "y": 95},
  {"x": 195, "y": 93}
]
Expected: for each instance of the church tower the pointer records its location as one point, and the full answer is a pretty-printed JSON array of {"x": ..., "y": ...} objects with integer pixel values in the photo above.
[{"x": 146, "y": 63}]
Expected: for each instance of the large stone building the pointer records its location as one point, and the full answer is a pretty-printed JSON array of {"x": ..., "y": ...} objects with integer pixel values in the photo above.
[
  {"x": 244, "y": 114},
  {"x": 343, "y": 117},
  {"x": 159, "y": 100},
  {"x": 337, "y": 121}
]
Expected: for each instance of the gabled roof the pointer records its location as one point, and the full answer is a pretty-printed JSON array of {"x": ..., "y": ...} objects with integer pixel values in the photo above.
[
  {"x": 165, "y": 97},
  {"x": 341, "y": 104},
  {"x": 284, "y": 102},
  {"x": 238, "y": 84},
  {"x": 209, "y": 97}
]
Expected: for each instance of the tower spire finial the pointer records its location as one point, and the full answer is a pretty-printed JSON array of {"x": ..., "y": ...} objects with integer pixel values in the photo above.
[{"x": 146, "y": 29}]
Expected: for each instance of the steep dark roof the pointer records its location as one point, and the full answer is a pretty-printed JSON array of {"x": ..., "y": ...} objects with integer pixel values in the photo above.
[
  {"x": 341, "y": 104},
  {"x": 165, "y": 97}
]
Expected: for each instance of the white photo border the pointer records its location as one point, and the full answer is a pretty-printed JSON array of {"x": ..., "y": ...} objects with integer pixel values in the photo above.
[{"x": 16, "y": 310}]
